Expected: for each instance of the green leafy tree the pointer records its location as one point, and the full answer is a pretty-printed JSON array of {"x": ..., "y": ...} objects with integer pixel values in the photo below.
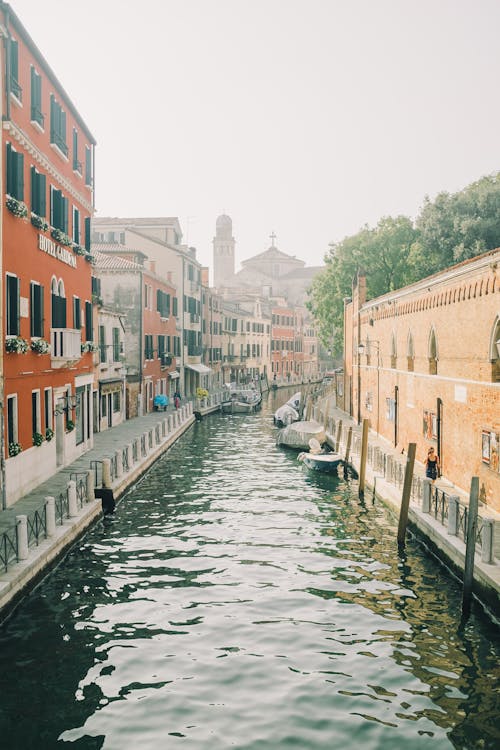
[
  {"x": 458, "y": 226},
  {"x": 383, "y": 253}
]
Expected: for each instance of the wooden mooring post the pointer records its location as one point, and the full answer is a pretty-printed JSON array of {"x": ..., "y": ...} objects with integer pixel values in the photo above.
[
  {"x": 339, "y": 433},
  {"x": 364, "y": 454},
  {"x": 405, "y": 499},
  {"x": 470, "y": 546},
  {"x": 348, "y": 446}
]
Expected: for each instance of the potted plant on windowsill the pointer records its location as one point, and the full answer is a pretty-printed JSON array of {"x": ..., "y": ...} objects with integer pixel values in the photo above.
[
  {"x": 38, "y": 438},
  {"x": 40, "y": 346},
  {"x": 15, "y": 449},
  {"x": 49, "y": 434},
  {"x": 70, "y": 425},
  {"x": 16, "y": 345},
  {"x": 79, "y": 250},
  {"x": 89, "y": 258},
  {"x": 89, "y": 346},
  {"x": 18, "y": 208},
  {"x": 39, "y": 222},
  {"x": 59, "y": 236}
]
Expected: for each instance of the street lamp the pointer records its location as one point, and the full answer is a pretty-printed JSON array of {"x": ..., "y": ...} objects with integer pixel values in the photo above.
[{"x": 361, "y": 350}]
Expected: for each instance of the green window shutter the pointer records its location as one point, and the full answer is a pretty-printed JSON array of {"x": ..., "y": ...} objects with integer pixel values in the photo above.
[
  {"x": 76, "y": 226},
  {"x": 12, "y": 306},
  {"x": 75, "y": 149},
  {"x": 64, "y": 214},
  {"x": 42, "y": 195},
  {"x": 88, "y": 166},
  {"x": 89, "y": 328},
  {"x": 14, "y": 60},
  {"x": 174, "y": 307},
  {"x": 34, "y": 188},
  {"x": 9, "y": 158},
  {"x": 20, "y": 177},
  {"x": 87, "y": 234}
]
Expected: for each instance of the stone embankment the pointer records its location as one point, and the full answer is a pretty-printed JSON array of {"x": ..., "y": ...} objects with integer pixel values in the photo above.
[
  {"x": 437, "y": 513},
  {"x": 39, "y": 527}
]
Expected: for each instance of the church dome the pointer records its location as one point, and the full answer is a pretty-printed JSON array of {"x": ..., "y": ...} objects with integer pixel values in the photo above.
[{"x": 223, "y": 221}]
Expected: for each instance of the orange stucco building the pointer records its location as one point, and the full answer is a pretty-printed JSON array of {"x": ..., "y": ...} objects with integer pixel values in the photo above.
[
  {"x": 47, "y": 326},
  {"x": 428, "y": 370}
]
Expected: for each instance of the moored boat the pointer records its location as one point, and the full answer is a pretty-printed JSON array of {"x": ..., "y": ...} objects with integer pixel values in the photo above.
[
  {"x": 289, "y": 412},
  {"x": 318, "y": 460},
  {"x": 298, "y": 434},
  {"x": 241, "y": 401}
]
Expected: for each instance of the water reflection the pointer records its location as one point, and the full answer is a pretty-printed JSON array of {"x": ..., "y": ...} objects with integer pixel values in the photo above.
[{"x": 238, "y": 601}]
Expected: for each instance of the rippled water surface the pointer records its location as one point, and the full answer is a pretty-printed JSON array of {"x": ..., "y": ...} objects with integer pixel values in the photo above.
[{"x": 237, "y": 601}]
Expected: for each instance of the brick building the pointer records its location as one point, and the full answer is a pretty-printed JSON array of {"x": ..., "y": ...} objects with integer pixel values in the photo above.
[
  {"x": 47, "y": 157},
  {"x": 149, "y": 306},
  {"x": 429, "y": 368}
]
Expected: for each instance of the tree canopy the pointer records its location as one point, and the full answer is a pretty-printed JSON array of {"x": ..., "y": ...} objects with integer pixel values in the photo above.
[{"x": 398, "y": 251}]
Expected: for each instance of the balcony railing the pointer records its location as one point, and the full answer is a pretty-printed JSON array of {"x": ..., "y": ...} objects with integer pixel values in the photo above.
[
  {"x": 58, "y": 140},
  {"x": 37, "y": 116},
  {"x": 66, "y": 345}
]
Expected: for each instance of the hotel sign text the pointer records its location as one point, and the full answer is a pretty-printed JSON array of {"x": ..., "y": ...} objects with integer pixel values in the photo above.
[{"x": 49, "y": 247}]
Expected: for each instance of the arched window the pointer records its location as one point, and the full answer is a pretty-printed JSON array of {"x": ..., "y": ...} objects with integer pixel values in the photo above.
[
  {"x": 58, "y": 304},
  {"x": 433, "y": 353},
  {"x": 410, "y": 353},
  {"x": 495, "y": 351},
  {"x": 394, "y": 351}
]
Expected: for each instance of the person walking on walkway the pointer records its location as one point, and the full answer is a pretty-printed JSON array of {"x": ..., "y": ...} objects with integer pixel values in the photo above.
[
  {"x": 177, "y": 399},
  {"x": 431, "y": 464}
]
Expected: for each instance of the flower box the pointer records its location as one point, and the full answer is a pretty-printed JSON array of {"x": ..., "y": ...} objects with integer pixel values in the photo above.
[
  {"x": 15, "y": 449},
  {"x": 38, "y": 438},
  {"x": 38, "y": 222},
  {"x": 79, "y": 250},
  {"x": 40, "y": 346},
  {"x": 16, "y": 345},
  {"x": 59, "y": 236},
  {"x": 18, "y": 208}
]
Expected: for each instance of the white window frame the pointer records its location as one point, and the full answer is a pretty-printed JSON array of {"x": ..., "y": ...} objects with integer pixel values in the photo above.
[
  {"x": 48, "y": 408},
  {"x": 38, "y": 416},
  {"x": 13, "y": 397}
]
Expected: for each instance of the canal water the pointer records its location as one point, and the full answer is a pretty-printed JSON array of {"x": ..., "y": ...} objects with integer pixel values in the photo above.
[{"x": 236, "y": 601}]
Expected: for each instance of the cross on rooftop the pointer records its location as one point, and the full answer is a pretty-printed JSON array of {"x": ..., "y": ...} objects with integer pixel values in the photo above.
[{"x": 273, "y": 237}]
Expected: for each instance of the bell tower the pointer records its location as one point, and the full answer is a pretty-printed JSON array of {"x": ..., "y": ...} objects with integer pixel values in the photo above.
[{"x": 223, "y": 251}]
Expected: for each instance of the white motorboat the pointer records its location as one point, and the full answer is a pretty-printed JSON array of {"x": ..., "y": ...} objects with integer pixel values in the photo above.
[
  {"x": 319, "y": 460},
  {"x": 298, "y": 434},
  {"x": 288, "y": 412},
  {"x": 241, "y": 401}
]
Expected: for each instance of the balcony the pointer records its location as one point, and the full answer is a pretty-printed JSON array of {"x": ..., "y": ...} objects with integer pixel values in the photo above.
[{"x": 66, "y": 346}]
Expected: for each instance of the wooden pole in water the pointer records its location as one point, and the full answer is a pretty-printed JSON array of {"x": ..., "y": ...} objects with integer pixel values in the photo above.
[
  {"x": 405, "y": 500},
  {"x": 339, "y": 433},
  {"x": 348, "y": 447},
  {"x": 364, "y": 453},
  {"x": 325, "y": 415},
  {"x": 470, "y": 545}
]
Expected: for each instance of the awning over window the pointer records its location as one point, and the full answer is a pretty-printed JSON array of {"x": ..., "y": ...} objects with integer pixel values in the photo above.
[
  {"x": 202, "y": 369},
  {"x": 174, "y": 374}
]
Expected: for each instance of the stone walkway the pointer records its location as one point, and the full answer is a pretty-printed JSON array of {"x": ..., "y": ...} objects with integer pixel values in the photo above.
[{"x": 105, "y": 445}]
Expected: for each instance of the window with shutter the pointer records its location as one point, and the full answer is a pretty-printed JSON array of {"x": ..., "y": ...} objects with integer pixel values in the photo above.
[
  {"x": 77, "y": 313},
  {"x": 76, "y": 225},
  {"x": 116, "y": 344},
  {"x": 36, "y": 309},
  {"x": 89, "y": 328},
  {"x": 88, "y": 166},
  {"x": 58, "y": 126},
  {"x": 36, "y": 98},
  {"x": 12, "y": 303},
  {"x": 38, "y": 193},
  {"x": 14, "y": 70},
  {"x": 87, "y": 234},
  {"x": 15, "y": 173}
]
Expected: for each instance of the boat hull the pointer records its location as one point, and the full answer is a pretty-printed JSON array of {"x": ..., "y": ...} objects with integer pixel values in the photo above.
[
  {"x": 239, "y": 407},
  {"x": 327, "y": 463}
]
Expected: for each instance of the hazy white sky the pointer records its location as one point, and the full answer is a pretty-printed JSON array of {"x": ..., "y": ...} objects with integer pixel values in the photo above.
[{"x": 306, "y": 117}]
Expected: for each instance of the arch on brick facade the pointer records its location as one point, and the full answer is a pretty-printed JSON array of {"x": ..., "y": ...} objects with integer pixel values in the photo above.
[
  {"x": 410, "y": 352},
  {"x": 494, "y": 352},
  {"x": 432, "y": 352}
]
